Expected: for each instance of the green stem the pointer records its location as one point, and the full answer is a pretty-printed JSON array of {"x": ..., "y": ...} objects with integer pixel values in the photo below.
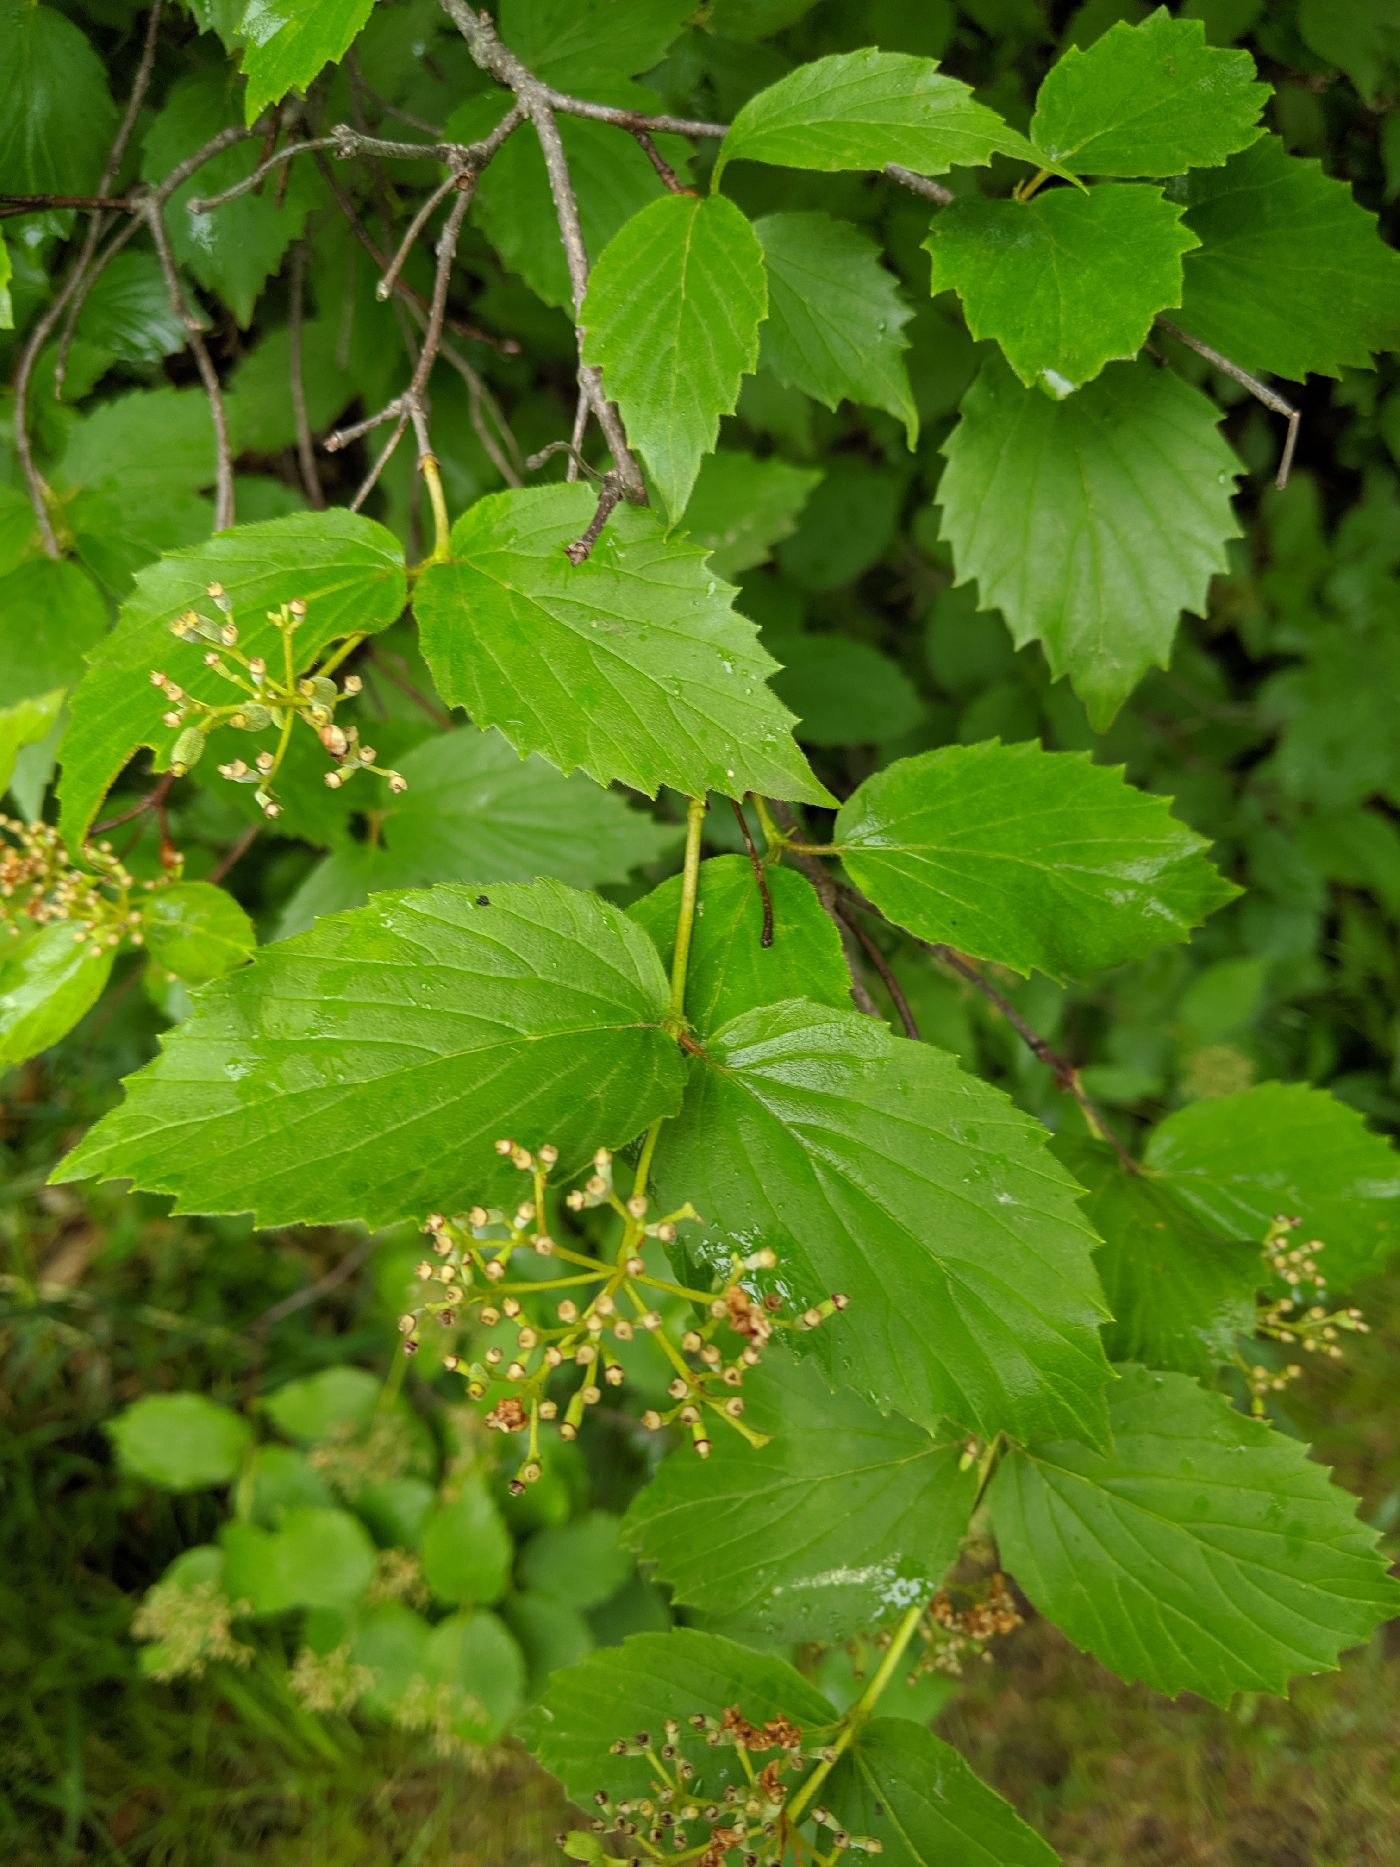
[
  {"x": 283, "y": 741},
  {"x": 685, "y": 917},
  {"x": 347, "y": 647},
  {"x": 860, "y": 1712},
  {"x": 986, "y": 1465},
  {"x": 393, "y": 1381},
  {"x": 442, "y": 524},
  {"x": 680, "y": 962},
  {"x": 772, "y": 835}
]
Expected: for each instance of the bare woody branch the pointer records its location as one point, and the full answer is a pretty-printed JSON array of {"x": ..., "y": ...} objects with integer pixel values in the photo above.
[
  {"x": 154, "y": 216},
  {"x": 920, "y": 184},
  {"x": 535, "y": 99},
  {"x": 306, "y": 448},
  {"x": 348, "y": 143},
  {"x": 488, "y": 420}
]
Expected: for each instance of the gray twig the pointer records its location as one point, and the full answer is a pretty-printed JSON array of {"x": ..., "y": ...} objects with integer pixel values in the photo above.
[
  {"x": 920, "y": 184},
  {"x": 73, "y": 286},
  {"x": 537, "y": 102},
  {"x": 611, "y": 492},
  {"x": 154, "y": 216},
  {"x": 630, "y": 120},
  {"x": 367, "y": 485},
  {"x": 429, "y": 206},
  {"x": 668, "y": 175},
  {"x": 306, "y": 446},
  {"x": 342, "y": 437},
  {"x": 1261, "y": 392},
  {"x": 206, "y": 204},
  {"x": 502, "y": 448}
]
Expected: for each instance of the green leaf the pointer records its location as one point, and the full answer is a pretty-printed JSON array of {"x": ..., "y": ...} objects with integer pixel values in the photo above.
[
  {"x": 1064, "y": 282},
  {"x": 672, "y": 314},
  {"x": 348, "y": 569},
  {"x": 1180, "y": 1292},
  {"x": 1090, "y": 523},
  {"x": 54, "y": 614},
  {"x": 1150, "y": 99},
  {"x": 476, "y": 1658},
  {"x": 844, "y": 692},
  {"x": 619, "y": 1691},
  {"x": 731, "y": 971},
  {"x": 197, "y": 931},
  {"x": 550, "y": 1634},
  {"x": 391, "y": 1640},
  {"x": 288, "y": 43},
  {"x": 581, "y": 1563},
  {"x": 57, "y": 118},
  {"x": 579, "y": 45},
  {"x": 151, "y": 443},
  {"x": 915, "y": 1794},
  {"x": 612, "y": 182},
  {"x": 48, "y": 981},
  {"x": 1337, "y": 747},
  {"x": 128, "y": 312},
  {"x": 257, "y": 398},
  {"x": 743, "y": 505},
  {"x": 324, "y": 1404},
  {"x": 639, "y": 669},
  {"x": 316, "y": 1558},
  {"x": 25, "y": 724},
  {"x": 465, "y": 1546},
  {"x": 1360, "y": 39},
  {"x": 17, "y": 529},
  {"x": 1042, "y": 861},
  {"x": 844, "y": 1519},
  {"x": 184, "y": 1442},
  {"x": 1292, "y": 275},
  {"x": 284, "y": 1480},
  {"x": 1205, "y": 1553},
  {"x": 395, "y": 1509},
  {"x": 363, "y": 1070},
  {"x": 1238, "y": 1161},
  {"x": 835, "y": 316},
  {"x": 861, "y": 110},
  {"x": 475, "y": 811},
  {"x": 234, "y": 250},
  {"x": 874, "y": 1167}
]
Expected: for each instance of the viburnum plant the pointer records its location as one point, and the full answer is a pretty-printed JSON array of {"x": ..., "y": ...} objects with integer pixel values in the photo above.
[{"x": 669, "y": 1158}]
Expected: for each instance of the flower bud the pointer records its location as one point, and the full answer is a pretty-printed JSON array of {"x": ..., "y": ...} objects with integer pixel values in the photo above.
[{"x": 187, "y": 751}]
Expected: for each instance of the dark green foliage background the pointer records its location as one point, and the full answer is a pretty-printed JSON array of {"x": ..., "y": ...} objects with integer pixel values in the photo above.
[{"x": 1274, "y": 729}]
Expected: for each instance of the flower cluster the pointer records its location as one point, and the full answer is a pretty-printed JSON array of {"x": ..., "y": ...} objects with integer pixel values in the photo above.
[
  {"x": 40, "y": 886},
  {"x": 957, "y": 1630},
  {"x": 562, "y": 1333},
  {"x": 745, "y": 1822},
  {"x": 329, "y": 1681},
  {"x": 1300, "y": 1319},
  {"x": 190, "y": 1623},
  {"x": 270, "y": 698}
]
